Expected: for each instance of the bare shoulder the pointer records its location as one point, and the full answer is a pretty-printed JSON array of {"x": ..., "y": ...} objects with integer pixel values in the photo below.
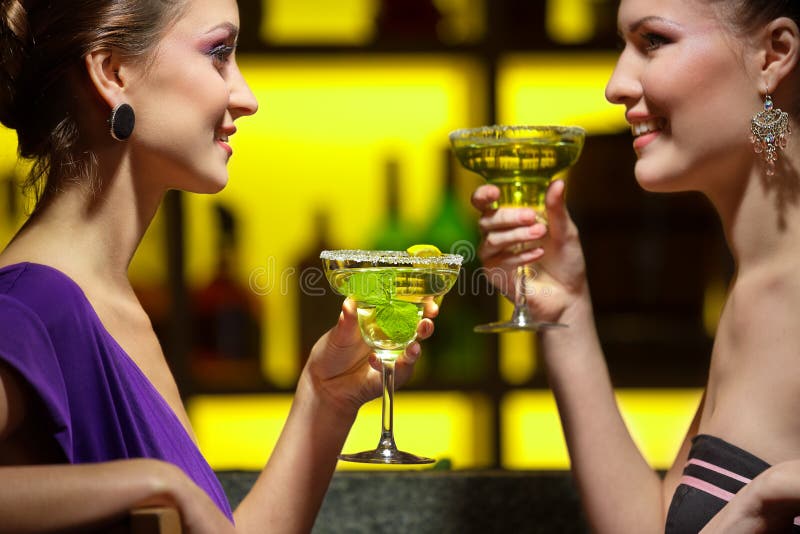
[{"x": 753, "y": 394}]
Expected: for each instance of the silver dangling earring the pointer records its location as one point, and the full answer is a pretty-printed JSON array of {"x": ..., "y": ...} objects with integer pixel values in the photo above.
[
  {"x": 121, "y": 122},
  {"x": 770, "y": 130}
]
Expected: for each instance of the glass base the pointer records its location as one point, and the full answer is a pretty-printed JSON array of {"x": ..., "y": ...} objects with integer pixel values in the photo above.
[
  {"x": 385, "y": 456},
  {"x": 515, "y": 326}
]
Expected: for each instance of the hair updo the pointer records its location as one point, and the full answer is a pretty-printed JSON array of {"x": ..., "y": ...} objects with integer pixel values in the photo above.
[
  {"x": 749, "y": 14},
  {"x": 42, "y": 45}
]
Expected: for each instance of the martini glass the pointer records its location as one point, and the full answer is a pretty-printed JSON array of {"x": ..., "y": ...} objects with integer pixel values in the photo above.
[
  {"x": 521, "y": 161},
  {"x": 390, "y": 289}
]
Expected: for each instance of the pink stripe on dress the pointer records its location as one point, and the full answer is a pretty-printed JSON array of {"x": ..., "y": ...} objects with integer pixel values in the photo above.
[
  {"x": 711, "y": 489},
  {"x": 719, "y": 470}
]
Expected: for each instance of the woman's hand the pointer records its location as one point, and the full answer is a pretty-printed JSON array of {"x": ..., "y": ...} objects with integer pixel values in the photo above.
[
  {"x": 346, "y": 372},
  {"x": 199, "y": 514},
  {"x": 513, "y": 237},
  {"x": 769, "y": 503},
  {"x": 80, "y": 497}
]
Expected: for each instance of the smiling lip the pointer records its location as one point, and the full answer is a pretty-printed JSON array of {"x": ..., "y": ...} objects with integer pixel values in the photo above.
[
  {"x": 223, "y": 142},
  {"x": 645, "y": 131}
]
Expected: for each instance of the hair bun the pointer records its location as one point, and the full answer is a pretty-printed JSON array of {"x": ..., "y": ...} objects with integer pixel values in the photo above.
[{"x": 14, "y": 36}]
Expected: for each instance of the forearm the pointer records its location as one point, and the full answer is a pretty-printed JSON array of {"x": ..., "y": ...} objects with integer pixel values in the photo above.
[
  {"x": 289, "y": 492},
  {"x": 57, "y": 497},
  {"x": 619, "y": 490}
]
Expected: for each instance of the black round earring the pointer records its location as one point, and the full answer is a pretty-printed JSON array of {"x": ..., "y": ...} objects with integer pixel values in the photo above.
[{"x": 122, "y": 121}]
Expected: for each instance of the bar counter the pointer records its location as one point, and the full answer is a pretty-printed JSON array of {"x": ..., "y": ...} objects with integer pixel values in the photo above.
[{"x": 433, "y": 501}]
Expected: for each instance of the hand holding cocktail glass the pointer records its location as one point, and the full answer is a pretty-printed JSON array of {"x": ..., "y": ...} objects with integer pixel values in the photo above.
[
  {"x": 521, "y": 161},
  {"x": 390, "y": 289}
]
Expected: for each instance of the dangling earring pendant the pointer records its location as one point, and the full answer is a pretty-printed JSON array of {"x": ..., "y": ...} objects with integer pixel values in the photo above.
[{"x": 770, "y": 130}]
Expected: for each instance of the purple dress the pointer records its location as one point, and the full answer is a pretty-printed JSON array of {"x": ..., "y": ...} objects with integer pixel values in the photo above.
[{"x": 97, "y": 403}]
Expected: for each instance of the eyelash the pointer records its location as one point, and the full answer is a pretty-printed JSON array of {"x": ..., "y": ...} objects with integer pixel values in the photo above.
[
  {"x": 221, "y": 53},
  {"x": 654, "y": 41}
]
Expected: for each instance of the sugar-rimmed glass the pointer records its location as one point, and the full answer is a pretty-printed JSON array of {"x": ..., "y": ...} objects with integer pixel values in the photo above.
[
  {"x": 390, "y": 290},
  {"x": 521, "y": 161}
]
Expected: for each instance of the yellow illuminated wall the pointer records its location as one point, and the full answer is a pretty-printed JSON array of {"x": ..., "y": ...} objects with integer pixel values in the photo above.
[
  {"x": 11, "y": 170},
  {"x": 657, "y": 420},
  {"x": 341, "y": 22},
  {"x": 352, "y": 22},
  {"x": 570, "y": 21},
  {"x": 551, "y": 89},
  {"x": 8, "y": 150},
  {"x": 559, "y": 89},
  {"x": 320, "y": 142},
  {"x": 238, "y": 432}
]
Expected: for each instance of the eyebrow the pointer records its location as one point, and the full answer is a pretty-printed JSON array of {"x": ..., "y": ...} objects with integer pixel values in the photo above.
[
  {"x": 230, "y": 27},
  {"x": 634, "y": 26}
]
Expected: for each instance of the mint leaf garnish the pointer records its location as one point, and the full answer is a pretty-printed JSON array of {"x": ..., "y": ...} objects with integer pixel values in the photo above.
[
  {"x": 368, "y": 287},
  {"x": 398, "y": 319}
]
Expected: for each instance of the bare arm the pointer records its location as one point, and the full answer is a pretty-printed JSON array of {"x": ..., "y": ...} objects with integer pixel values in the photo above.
[
  {"x": 336, "y": 382},
  {"x": 56, "y": 497},
  {"x": 44, "y": 498},
  {"x": 619, "y": 490},
  {"x": 289, "y": 492}
]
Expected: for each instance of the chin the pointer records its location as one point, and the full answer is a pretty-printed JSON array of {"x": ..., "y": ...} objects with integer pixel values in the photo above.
[
  {"x": 663, "y": 174},
  {"x": 653, "y": 179},
  {"x": 205, "y": 184},
  {"x": 212, "y": 188}
]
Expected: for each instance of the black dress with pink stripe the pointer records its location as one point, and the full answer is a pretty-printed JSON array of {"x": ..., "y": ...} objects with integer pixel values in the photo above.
[{"x": 714, "y": 473}]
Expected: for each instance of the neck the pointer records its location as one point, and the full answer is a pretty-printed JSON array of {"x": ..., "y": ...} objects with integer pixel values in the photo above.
[
  {"x": 762, "y": 219},
  {"x": 92, "y": 233}
]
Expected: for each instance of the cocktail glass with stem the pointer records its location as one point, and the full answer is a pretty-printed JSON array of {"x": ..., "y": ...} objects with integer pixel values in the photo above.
[
  {"x": 390, "y": 289},
  {"x": 521, "y": 161}
]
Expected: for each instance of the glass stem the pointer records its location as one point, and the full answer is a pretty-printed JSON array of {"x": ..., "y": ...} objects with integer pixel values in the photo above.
[
  {"x": 522, "y": 316},
  {"x": 517, "y": 194},
  {"x": 387, "y": 419}
]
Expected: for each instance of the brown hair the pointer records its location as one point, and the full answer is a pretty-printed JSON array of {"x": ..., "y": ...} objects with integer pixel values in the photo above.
[
  {"x": 749, "y": 14},
  {"x": 41, "y": 44}
]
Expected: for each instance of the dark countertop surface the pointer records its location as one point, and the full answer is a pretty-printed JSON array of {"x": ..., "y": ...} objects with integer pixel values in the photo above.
[{"x": 433, "y": 501}]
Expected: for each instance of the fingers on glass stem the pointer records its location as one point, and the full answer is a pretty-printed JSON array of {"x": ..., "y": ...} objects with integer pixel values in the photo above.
[
  {"x": 518, "y": 258},
  {"x": 413, "y": 352},
  {"x": 425, "y": 329}
]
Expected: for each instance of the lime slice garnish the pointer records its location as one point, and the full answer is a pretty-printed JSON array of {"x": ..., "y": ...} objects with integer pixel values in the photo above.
[
  {"x": 426, "y": 251},
  {"x": 423, "y": 251}
]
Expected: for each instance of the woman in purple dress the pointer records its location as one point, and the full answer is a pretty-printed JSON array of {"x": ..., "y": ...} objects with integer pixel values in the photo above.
[
  {"x": 116, "y": 102},
  {"x": 710, "y": 89}
]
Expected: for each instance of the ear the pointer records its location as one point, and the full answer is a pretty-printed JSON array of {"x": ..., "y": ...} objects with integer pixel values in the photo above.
[
  {"x": 103, "y": 67},
  {"x": 781, "y": 50}
]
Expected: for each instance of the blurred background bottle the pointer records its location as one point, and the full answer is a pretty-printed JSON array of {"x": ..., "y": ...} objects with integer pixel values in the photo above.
[
  {"x": 458, "y": 356},
  {"x": 226, "y": 322},
  {"x": 393, "y": 233},
  {"x": 318, "y": 305}
]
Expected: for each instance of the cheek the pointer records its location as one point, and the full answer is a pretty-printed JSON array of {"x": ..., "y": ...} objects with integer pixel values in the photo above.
[
  {"x": 706, "y": 101},
  {"x": 193, "y": 88},
  {"x": 203, "y": 96}
]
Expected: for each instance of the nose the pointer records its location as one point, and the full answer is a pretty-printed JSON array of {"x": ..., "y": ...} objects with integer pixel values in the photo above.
[
  {"x": 242, "y": 101},
  {"x": 624, "y": 86}
]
